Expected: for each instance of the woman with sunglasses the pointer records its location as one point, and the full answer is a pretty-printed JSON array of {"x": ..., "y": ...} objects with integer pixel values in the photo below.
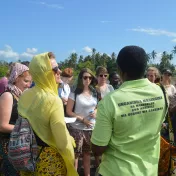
[
  {"x": 166, "y": 82},
  {"x": 82, "y": 103},
  {"x": 102, "y": 77},
  {"x": 43, "y": 108}
]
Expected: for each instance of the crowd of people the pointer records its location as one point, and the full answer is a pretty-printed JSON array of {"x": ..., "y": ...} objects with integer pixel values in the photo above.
[{"x": 119, "y": 116}]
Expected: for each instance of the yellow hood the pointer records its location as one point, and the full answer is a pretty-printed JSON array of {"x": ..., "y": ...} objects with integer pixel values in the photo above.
[{"x": 42, "y": 74}]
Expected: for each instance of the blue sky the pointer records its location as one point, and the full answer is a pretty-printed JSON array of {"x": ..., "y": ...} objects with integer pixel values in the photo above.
[{"x": 28, "y": 27}]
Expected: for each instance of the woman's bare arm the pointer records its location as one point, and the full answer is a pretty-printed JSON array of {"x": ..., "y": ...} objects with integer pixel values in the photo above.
[{"x": 6, "y": 103}]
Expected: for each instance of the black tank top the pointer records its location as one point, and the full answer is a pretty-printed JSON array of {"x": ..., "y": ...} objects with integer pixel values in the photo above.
[{"x": 14, "y": 115}]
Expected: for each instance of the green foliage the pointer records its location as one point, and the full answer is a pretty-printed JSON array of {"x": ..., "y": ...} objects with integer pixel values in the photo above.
[
  {"x": 97, "y": 59},
  {"x": 77, "y": 62},
  {"x": 91, "y": 61},
  {"x": 3, "y": 70},
  {"x": 166, "y": 60}
]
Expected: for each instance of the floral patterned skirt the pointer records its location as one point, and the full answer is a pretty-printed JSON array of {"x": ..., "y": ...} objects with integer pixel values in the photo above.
[{"x": 50, "y": 163}]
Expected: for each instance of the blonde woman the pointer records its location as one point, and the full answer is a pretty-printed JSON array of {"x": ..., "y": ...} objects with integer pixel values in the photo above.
[{"x": 153, "y": 75}]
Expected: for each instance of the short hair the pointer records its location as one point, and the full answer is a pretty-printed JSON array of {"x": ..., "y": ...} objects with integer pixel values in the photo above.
[
  {"x": 101, "y": 69},
  {"x": 113, "y": 73},
  {"x": 51, "y": 55},
  {"x": 168, "y": 71},
  {"x": 156, "y": 72},
  {"x": 67, "y": 72},
  {"x": 132, "y": 60}
]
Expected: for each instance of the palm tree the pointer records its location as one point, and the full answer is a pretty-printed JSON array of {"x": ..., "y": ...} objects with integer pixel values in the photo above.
[
  {"x": 153, "y": 54},
  {"x": 165, "y": 60},
  {"x": 174, "y": 50},
  {"x": 113, "y": 56},
  {"x": 73, "y": 60},
  {"x": 171, "y": 56},
  {"x": 81, "y": 59},
  {"x": 93, "y": 51},
  {"x": 148, "y": 57},
  {"x": 93, "y": 55}
]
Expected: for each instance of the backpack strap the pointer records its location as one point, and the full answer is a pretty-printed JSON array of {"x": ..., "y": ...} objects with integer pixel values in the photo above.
[
  {"x": 166, "y": 104},
  {"x": 164, "y": 93},
  {"x": 98, "y": 96},
  {"x": 171, "y": 135}
]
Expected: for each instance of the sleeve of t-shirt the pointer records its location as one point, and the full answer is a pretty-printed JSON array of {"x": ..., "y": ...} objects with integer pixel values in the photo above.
[
  {"x": 173, "y": 89},
  {"x": 72, "y": 96},
  {"x": 103, "y": 127}
]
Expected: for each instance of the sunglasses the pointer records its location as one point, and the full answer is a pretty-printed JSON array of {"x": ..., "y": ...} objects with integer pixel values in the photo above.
[
  {"x": 87, "y": 77},
  {"x": 103, "y": 76},
  {"x": 168, "y": 74},
  {"x": 55, "y": 69}
]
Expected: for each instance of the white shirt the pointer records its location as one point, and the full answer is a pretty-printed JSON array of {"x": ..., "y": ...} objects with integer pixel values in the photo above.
[
  {"x": 65, "y": 91},
  {"x": 170, "y": 89},
  {"x": 83, "y": 107}
]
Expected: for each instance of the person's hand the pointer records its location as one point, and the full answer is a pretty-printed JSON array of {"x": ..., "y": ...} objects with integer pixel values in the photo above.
[
  {"x": 64, "y": 101},
  {"x": 87, "y": 122},
  {"x": 93, "y": 114},
  {"x": 164, "y": 125}
]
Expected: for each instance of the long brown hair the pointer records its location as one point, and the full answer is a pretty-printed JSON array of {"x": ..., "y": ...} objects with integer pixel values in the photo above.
[{"x": 79, "y": 88}]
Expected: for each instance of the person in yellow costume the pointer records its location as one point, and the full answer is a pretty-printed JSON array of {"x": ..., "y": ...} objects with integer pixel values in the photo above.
[{"x": 44, "y": 110}]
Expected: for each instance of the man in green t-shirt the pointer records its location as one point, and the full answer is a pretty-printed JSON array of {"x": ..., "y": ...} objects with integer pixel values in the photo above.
[{"x": 128, "y": 122}]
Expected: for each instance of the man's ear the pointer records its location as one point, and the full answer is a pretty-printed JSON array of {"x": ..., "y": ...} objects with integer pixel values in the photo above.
[{"x": 120, "y": 73}]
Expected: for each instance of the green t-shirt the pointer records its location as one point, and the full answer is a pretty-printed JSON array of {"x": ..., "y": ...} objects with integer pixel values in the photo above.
[{"x": 129, "y": 122}]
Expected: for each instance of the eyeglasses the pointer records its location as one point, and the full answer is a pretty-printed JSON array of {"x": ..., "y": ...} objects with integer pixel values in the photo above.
[
  {"x": 103, "y": 76},
  {"x": 87, "y": 77},
  {"x": 55, "y": 69}
]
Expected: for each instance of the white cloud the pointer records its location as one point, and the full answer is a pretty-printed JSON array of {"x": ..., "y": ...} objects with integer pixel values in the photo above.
[
  {"x": 156, "y": 32},
  {"x": 31, "y": 50},
  {"x": 8, "y": 54},
  {"x": 55, "y": 6},
  {"x": 29, "y": 54},
  {"x": 26, "y": 55},
  {"x": 151, "y": 31},
  {"x": 174, "y": 40},
  {"x": 87, "y": 49}
]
